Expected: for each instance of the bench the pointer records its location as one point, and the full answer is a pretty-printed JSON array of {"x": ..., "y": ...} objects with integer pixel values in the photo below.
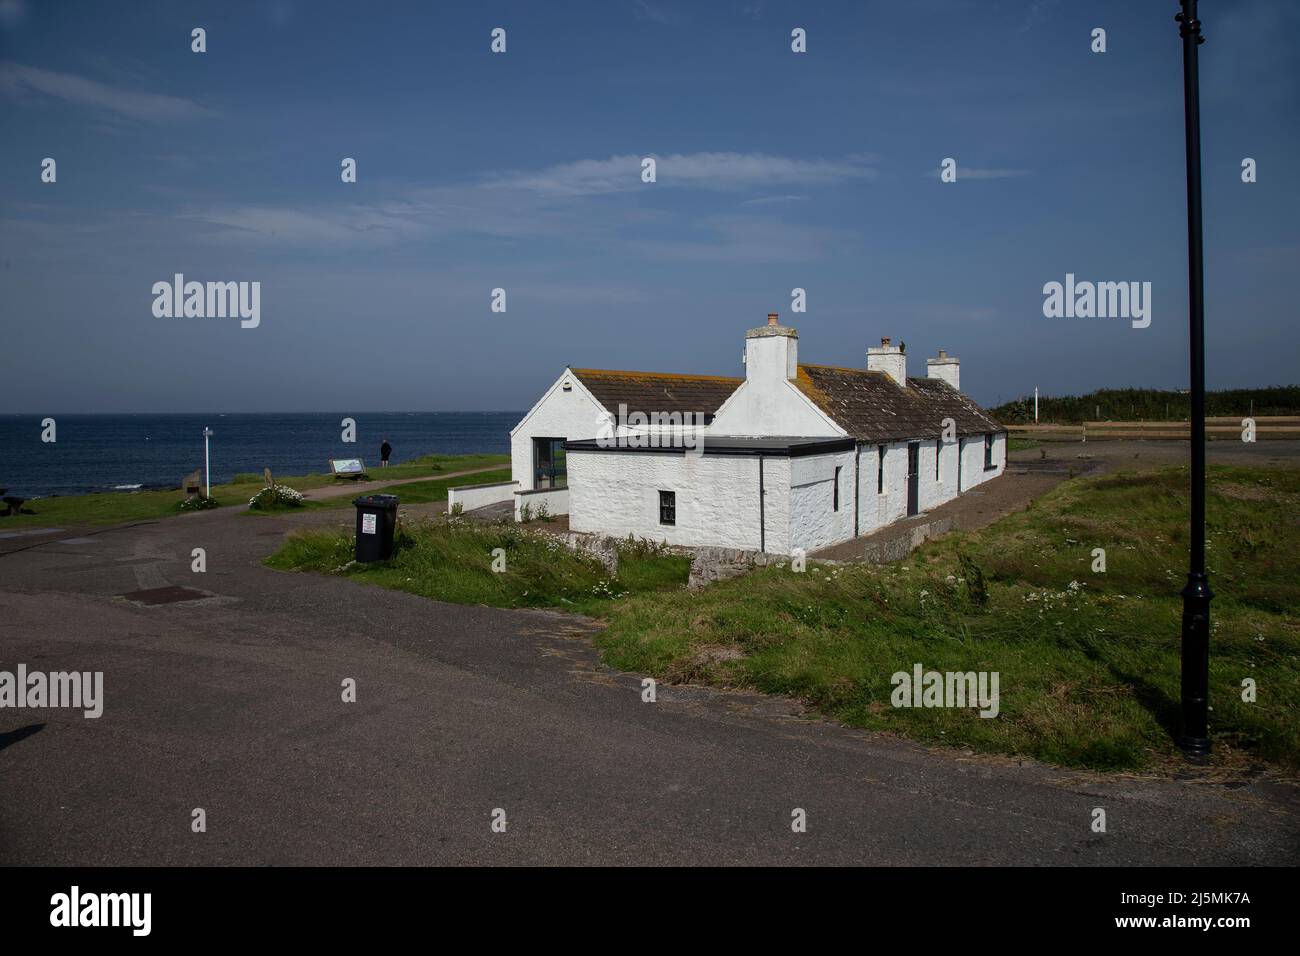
[{"x": 192, "y": 484}]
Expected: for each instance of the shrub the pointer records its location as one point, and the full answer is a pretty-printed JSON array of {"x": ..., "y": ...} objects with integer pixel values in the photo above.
[
  {"x": 198, "y": 503},
  {"x": 275, "y": 499}
]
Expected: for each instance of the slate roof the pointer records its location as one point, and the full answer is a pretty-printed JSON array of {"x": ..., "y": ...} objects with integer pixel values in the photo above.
[
  {"x": 872, "y": 408},
  {"x": 867, "y": 405},
  {"x": 651, "y": 392}
]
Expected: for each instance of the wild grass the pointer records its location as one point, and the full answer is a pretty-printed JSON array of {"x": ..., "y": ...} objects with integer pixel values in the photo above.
[
  {"x": 453, "y": 559},
  {"x": 1088, "y": 660}
]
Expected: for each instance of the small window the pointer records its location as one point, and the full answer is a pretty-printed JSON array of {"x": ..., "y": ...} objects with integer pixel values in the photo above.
[
  {"x": 668, "y": 507},
  {"x": 988, "y": 452},
  {"x": 880, "y": 470},
  {"x": 836, "y": 502}
]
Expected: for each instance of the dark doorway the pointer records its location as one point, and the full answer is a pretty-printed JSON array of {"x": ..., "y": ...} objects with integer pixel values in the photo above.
[{"x": 913, "y": 477}]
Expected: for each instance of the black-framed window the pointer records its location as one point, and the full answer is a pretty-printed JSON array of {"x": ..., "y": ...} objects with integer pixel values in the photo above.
[
  {"x": 835, "y": 504},
  {"x": 880, "y": 470},
  {"x": 988, "y": 452},
  {"x": 549, "y": 469},
  {"x": 668, "y": 507}
]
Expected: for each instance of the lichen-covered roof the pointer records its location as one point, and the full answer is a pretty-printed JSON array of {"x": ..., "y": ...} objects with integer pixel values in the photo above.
[
  {"x": 867, "y": 405},
  {"x": 651, "y": 392},
  {"x": 871, "y": 407}
]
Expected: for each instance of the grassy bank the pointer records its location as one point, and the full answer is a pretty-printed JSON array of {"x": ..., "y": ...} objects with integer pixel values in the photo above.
[
  {"x": 452, "y": 560},
  {"x": 411, "y": 493},
  {"x": 119, "y": 507},
  {"x": 1088, "y": 662}
]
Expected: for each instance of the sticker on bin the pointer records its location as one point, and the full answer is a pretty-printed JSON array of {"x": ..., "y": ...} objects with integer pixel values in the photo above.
[{"x": 368, "y": 523}]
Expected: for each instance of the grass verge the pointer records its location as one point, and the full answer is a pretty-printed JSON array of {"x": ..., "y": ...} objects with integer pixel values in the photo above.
[
  {"x": 1088, "y": 660},
  {"x": 452, "y": 559}
]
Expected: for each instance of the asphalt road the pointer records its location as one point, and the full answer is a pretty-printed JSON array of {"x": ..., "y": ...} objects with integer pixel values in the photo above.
[{"x": 233, "y": 704}]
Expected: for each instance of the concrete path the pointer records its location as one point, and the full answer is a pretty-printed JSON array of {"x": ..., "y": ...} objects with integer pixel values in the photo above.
[
  {"x": 343, "y": 489},
  {"x": 232, "y": 703}
]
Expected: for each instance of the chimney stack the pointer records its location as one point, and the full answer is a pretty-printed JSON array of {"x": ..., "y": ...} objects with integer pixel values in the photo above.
[
  {"x": 890, "y": 360},
  {"x": 771, "y": 352},
  {"x": 946, "y": 367}
]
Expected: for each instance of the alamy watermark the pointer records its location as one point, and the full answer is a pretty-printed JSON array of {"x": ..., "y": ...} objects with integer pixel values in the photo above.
[
  {"x": 80, "y": 690},
  {"x": 75, "y": 908},
  {"x": 651, "y": 430},
  {"x": 208, "y": 300},
  {"x": 923, "y": 688},
  {"x": 1100, "y": 300}
]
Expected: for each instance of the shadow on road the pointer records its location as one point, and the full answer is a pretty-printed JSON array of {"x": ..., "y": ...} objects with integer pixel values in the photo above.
[{"x": 13, "y": 736}]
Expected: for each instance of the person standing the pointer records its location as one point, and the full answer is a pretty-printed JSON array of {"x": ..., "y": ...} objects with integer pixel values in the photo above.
[{"x": 384, "y": 451}]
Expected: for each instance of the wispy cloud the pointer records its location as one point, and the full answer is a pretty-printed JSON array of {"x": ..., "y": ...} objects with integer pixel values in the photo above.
[
  {"x": 717, "y": 171},
  {"x": 656, "y": 12},
  {"x": 19, "y": 82},
  {"x": 564, "y": 205},
  {"x": 736, "y": 239},
  {"x": 975, "y": 172}
]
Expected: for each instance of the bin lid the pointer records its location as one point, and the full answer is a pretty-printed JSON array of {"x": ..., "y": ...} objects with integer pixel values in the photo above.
[{"x": 376, "y": 501}]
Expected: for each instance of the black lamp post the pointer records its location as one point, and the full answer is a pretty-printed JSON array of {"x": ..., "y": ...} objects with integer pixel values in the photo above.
[{"x": 1194, "y": 736}]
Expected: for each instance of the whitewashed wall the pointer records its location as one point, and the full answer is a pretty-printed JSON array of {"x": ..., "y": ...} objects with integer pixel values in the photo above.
[
  {"x": 574, "y": 415},
  {"x": 555, "y": 500},
  {"x": 814, "y": 522},
  {"x": 470, "y": 497},
  {"x": 935, "y": 493},
  {"x": 892, "y": 505},
  {"x": 972, "y": 463},
  {"x": 772, "y": 408},
  {"x": 617, "y": 493}
]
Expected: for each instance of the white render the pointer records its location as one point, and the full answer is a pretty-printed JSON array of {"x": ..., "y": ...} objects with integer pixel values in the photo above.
[
  {"x": 567, "y": 410},
  {"x": 470, "y": 497},
  {"x": 888, "y": 359},
  {"x": 767, "y": 402},
  {"x": 617, "y": 493},
  {"x": 972, "y": 460},
  {"x": 767, "y": 433},
  {"x": 555, "y": 501},
  {"x": 945, "y": 367}
]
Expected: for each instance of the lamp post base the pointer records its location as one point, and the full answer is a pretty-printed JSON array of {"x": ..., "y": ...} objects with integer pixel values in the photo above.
[
  {"x": 1195, "y": 749},
  {"x": 1195, "y": 737}
]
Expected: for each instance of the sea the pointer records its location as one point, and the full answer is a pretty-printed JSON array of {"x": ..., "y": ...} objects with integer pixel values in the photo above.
[{"x": 97, "y": 453}]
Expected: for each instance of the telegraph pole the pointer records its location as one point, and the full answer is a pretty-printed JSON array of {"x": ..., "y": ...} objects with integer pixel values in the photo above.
[{"x": 1194, "y": 735}]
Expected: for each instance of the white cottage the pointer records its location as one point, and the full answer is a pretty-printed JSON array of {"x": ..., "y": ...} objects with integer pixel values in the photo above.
[{"x": 791, "y": 456}]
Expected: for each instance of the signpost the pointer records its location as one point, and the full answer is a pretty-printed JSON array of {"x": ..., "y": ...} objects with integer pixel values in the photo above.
[{"x": 207, "y": 472}]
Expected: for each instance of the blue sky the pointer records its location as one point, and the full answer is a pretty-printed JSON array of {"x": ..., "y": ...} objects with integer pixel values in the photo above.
[{"x": 522, "y": 171}]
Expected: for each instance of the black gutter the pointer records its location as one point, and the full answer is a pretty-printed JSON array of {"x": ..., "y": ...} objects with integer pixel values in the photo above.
[{"x": 799, "y": 450}]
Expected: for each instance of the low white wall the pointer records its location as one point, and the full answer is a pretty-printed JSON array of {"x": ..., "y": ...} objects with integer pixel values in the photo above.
[
  {"x": 470, "y": 497},
  {"x": 556, "y": 501}
]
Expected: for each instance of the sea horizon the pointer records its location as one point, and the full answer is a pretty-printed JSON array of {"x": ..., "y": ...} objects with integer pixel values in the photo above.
[{"x": 133, "y": 451}]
